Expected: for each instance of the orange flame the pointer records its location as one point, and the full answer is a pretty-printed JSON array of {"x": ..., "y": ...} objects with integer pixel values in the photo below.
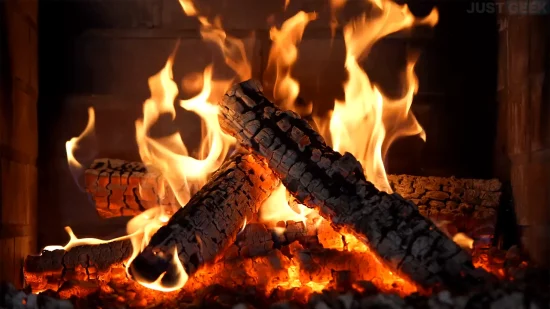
[
  {"x": 365, "y": 109},
  {"x": 283, "y": 55}
]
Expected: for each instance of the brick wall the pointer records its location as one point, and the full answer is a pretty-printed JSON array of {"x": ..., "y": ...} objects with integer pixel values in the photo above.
[{"x": 100, "y": 53}]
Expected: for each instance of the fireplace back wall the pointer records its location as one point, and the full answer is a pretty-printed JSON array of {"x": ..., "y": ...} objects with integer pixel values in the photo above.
[{"x": 100, "y": 53}]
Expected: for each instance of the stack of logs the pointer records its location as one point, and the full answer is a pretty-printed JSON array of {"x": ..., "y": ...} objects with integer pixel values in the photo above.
[{"x": 214, "y": 250}]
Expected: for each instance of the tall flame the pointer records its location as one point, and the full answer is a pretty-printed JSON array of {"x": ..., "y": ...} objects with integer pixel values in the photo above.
[
  {"x": 169, "y": 154},
  {"x": 379, "y": 119},
  {"x": 283, "y": 55}
]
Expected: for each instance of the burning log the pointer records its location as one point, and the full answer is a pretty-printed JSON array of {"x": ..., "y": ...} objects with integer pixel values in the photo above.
[
  {"x": 104, "y": 262},
  {"x": 209, "y": 223},
  {"x": 335, "y": 184},
  {"x": 121, "y": 188}
]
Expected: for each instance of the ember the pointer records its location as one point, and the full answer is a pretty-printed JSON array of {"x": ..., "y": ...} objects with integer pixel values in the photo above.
[{"x": 276, "y": 207}]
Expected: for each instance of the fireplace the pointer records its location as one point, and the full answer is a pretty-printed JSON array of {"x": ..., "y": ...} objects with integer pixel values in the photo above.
[{"x": 94, "y": 146}]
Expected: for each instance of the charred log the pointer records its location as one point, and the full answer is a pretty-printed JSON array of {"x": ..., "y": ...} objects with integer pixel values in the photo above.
[
  {"x": 121, "y": 188},
  {"x": 335, "y": 184},
  {"x": 209, "y": 223},
  {"x": 104, "y": 262}
]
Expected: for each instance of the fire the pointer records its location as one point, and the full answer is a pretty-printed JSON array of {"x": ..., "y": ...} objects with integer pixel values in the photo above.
[
  {"x": 75, "y": 241},
  {"x": 463, "y": 241},
  {"x": 276, "y": 208},
  {"x": 73, "y": 144},
  {"x": 283, "y": 55},
  {"x": 365, "y": 109}
]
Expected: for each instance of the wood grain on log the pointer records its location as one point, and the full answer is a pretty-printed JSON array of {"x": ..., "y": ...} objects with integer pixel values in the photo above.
[
  {"x": 121, "y": 188},
  {"x": 209, "y": 223},
  {"x": 88, "y": 262},
  {"x": 335, "y": 184}
]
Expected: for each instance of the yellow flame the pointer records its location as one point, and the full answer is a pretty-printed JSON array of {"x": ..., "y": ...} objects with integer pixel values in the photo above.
[
  {"x": 463, "y": 241},
  {"x": 379, "y": 119},
  {"x": 276, "y": 208},
  {"x": 188, "y": 7},
  {"x": 283, "y": 55},
  {"x": 169, "y": 154},
  {"x": 72, "y": 145}
]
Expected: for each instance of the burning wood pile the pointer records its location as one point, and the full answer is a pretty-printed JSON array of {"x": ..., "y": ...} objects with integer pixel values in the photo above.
[
  {"x": 219, "y": 239},
  {"x": 286, "y": 216}
]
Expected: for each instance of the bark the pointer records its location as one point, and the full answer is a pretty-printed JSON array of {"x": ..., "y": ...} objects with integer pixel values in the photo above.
[
  {"x": 335, "y": 184},
  {"x": 211, "y": 220},
  {"x": 121, "y": 188},
  {"x": 88, "y": 262}
]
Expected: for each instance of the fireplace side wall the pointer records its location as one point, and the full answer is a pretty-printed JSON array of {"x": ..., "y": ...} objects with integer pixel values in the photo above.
[{"x": 18, "y": 136}]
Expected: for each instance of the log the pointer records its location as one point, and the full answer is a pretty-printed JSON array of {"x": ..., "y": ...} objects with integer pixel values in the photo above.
[
  {"x": 335, "y": 184},
  {"x": 466, "y": 205},
  {"x": 104, "y": 262},
  {"x": 463, "y": 205},
  {"x": 210, "y": 222},
  {"x": 122, "y": 188}
]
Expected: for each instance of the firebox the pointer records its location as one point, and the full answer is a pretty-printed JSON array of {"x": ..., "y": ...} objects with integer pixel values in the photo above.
[{"x": 288, "y": 153}]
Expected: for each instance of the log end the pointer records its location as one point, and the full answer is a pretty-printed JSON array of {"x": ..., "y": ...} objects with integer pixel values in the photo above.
[{"x": 150, "y": 265}]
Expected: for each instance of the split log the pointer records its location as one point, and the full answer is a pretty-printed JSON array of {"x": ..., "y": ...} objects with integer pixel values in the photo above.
[
  {"x": 209, "y": 223},
  {"x": 103, "y": 262},
  {"x": 469, "y": 204},
  {"x": 335, "y": 184},
  {"x": 121, "y": 188}
]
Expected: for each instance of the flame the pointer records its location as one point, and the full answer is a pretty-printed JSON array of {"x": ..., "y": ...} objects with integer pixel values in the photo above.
[
  {"x": 169, "y": 154},
  {"x": 75, "y": 241},
  {"x": 365, "y": 109},
  {"x": 75, "y": 167},
  {"x": 276, "y": 208},
  {"x": 233, "y": 49},
  {"x": 463, "y": 241},
  {"x": 283, "y": 55}
]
